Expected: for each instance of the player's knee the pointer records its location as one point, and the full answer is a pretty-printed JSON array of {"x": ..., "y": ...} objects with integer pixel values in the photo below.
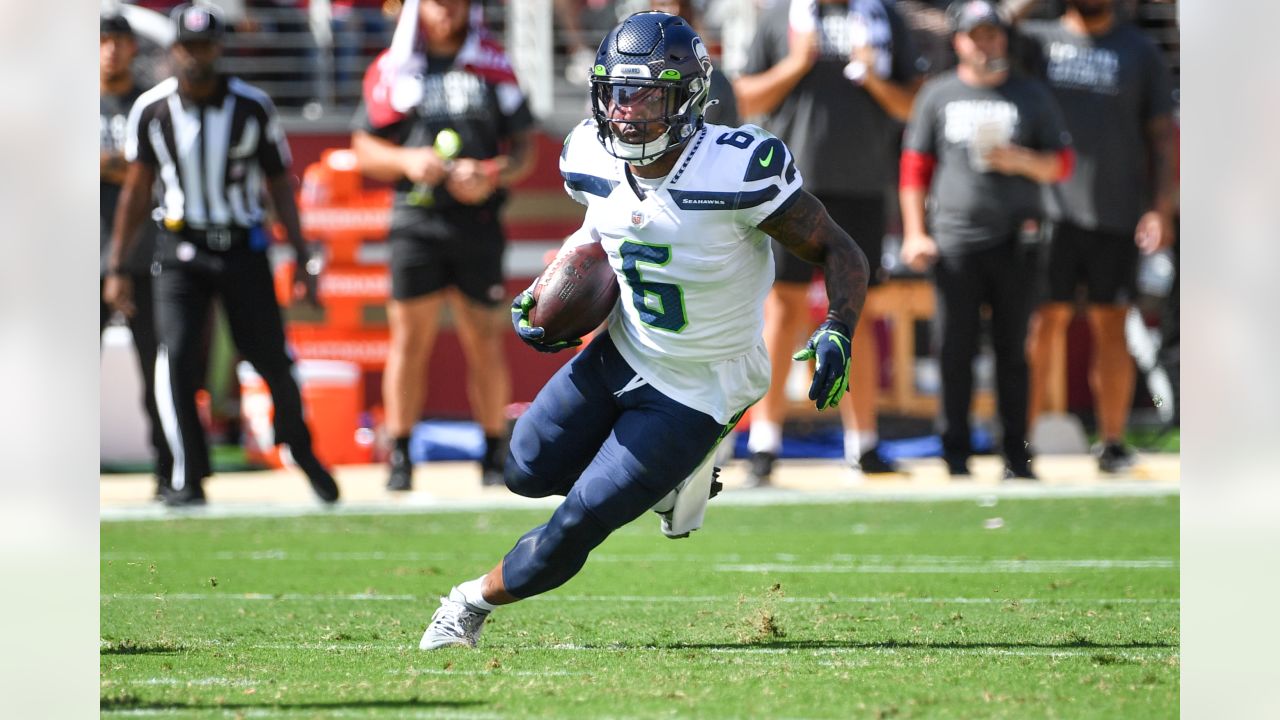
[
  {"x": 412, "y": 344},
  {"x": 525, "y": 483}
]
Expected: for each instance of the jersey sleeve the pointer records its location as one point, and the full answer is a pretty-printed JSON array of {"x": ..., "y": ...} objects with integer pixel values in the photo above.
[
  {"x": 769, "y": 180},
  {"x": 396, "y": 132},
  {"x": 921, "y": 135},
  {"x": 585, "y": 176}
]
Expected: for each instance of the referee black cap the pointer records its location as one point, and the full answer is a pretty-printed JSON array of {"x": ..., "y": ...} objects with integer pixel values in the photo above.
[
  {"x": 196, "y": 23},
  {"x": 114, "y": 24}
]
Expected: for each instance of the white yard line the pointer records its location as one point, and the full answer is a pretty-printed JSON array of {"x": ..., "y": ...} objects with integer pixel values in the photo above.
[
  {"x": 734, "y": 498},
  {"x": 269, "y": 711},
  {"x": 1052, "y": 652},
  {"x": 184, "y": 682},
  {"x": 726, "y": 559},
  {"x": 289, "y": 597},
  {"x": 656, "y": 599},
  {"x": 1029, "y": 650}
]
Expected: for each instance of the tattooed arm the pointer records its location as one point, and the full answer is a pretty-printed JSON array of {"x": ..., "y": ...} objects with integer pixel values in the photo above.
[{"x": 806, "y": 230}]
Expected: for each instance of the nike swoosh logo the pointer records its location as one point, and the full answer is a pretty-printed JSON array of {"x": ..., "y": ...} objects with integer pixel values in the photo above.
[{"x": 764, "y": 161}]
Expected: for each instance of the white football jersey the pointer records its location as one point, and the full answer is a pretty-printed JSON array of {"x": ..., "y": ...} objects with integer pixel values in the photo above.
[{"x": 693, "y": 268}]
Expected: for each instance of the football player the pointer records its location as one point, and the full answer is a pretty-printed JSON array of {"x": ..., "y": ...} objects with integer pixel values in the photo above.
[{"x": 684, "y": 210}]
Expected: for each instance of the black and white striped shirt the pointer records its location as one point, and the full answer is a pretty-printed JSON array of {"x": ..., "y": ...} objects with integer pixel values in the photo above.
[{"x": 212, "y": 157}]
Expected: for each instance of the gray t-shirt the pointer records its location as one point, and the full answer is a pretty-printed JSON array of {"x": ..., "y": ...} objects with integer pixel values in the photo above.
[
  {"x": 1109, "y": 88},
  {"x": 970, "y": 206},
  {"x": 841, "y": 138},
  {"x": 113, "y": 114}
]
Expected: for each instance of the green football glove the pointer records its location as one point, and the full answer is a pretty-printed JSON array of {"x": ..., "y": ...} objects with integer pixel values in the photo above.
[
  {"x": 532, "y": 336},
  {"x": 830, "y": 346}
]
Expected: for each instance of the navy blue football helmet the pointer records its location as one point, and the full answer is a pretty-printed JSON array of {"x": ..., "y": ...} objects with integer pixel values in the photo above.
[{"x": 649, "y": 86}]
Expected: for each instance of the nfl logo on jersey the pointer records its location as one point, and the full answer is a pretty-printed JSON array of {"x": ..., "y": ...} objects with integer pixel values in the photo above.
[{"x": 637, "y": 218}]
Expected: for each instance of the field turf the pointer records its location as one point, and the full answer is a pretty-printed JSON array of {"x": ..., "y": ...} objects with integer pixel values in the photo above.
[{"x": 1025, "y": 608}]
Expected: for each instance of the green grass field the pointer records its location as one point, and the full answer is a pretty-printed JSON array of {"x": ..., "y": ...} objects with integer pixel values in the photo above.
[{"x": 917, "y": 609}]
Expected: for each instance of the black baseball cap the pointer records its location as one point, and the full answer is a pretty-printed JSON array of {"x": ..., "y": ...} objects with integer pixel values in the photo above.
[
  {"x": 114, "y": 24},
  {"x": 965, "y": 15},
  {"x": 196, "y": 23}
]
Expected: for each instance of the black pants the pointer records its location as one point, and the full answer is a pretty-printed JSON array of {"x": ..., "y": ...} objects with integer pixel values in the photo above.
[
  {"x": 143, "y": 328},
  {"x": 999, "y": 277},
  {"x": 241, "y": 278}
]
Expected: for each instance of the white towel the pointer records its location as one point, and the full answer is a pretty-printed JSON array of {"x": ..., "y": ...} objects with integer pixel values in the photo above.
[{"x": 392, "y": 84}]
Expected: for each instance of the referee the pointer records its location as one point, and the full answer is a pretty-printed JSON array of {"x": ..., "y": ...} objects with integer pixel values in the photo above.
[{"x": 214, "y": 143}]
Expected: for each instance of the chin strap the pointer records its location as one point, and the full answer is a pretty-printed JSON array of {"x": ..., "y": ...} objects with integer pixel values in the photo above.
[{"x": 622, "y": 150}]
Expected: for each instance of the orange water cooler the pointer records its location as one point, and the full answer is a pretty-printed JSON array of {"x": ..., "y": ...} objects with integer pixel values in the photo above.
[{"x": 332, "y": 402}]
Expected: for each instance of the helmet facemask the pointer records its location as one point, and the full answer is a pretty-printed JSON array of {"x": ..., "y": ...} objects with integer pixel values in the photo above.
[{"x": 640, "y": 119}]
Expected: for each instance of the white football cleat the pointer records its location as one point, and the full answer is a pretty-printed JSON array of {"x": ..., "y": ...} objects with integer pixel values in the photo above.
[{"x": 454, "y": 624}]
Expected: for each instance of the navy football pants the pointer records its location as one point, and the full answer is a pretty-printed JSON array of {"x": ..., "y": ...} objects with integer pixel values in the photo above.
[{"x": 612, "y": 446}]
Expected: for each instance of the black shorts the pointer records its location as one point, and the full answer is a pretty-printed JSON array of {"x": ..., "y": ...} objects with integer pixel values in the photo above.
[
  {"x": 862, "y": 217},
  {"x": 1106, "y": 263},
  {"x": 470, "y": 259}
]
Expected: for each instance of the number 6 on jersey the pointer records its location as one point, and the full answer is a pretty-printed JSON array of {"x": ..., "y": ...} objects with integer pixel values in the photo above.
[{"x": 669, "y": 298}]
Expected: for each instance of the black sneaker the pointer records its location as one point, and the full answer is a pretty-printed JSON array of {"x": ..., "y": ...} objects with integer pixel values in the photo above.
[
  {"x": 1019, "y": 471},
  {"x": 958, "y": 468},
  {"x": 761, "y": 468},
  {"x": 871, "y": 463},
  {"x": 321, "y": 481},
  {"x": 401, "y": 477},
  {"x": 188, "y": 496},
  {"x": 1115, "y": 457},
  {"x": 162, "y": 488},
  {"x": 493, "y": 463}
]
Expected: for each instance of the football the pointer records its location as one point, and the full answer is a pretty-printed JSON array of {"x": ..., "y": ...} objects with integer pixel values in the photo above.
[{"x": 574, "y": 294}]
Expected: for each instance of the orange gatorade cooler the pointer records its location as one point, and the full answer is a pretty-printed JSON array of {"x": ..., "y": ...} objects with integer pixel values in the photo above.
[{"x": 332, "y": 400}]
